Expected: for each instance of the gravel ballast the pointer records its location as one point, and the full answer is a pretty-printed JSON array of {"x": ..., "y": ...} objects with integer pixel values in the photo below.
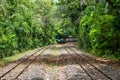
[{"x": 56, "y": 64}]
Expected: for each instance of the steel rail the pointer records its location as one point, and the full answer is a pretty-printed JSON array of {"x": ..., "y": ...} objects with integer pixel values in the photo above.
[
  {"x": 29, "y": 64},
  {"x": 83, "y": 57},
  {"x": 20, "y": 63},
  {"x": 80, "y": 65}
]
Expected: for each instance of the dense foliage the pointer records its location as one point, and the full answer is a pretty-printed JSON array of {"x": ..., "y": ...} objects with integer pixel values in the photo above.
[
  {"x": 97, "y": 25},
  {"x": 25, "y": 24}
]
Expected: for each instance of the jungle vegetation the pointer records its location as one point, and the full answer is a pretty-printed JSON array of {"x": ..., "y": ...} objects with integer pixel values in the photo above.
[{"x": 27, "y": 24}]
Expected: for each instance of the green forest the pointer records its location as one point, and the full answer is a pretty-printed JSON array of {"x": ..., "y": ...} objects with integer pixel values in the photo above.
[{"x": 28, "y": 24}]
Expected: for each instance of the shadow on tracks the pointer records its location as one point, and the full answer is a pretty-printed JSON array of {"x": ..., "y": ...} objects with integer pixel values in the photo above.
[
  {"x": 60, "y": 60},
  {"x": 37, "y": 79}
]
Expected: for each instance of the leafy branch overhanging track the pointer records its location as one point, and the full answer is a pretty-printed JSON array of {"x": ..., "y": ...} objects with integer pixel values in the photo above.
[
  {"x": 24, "y": 60},
  {"x": 83, "y": 57}
]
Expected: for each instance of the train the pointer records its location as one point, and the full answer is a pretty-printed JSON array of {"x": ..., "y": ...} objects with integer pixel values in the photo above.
[{"x": 66, "y": 39}]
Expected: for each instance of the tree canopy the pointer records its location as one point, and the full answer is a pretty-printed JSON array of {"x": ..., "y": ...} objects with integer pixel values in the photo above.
[{"x": 27, "y": 24}]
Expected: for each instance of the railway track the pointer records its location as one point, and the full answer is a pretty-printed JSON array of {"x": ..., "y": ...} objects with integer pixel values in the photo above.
[
  {"x": 22, "y": 65},
  {"x": 78, "y": 63},
  {"x": 76, "y": 66},
  {"x": 94, "y": 73}
]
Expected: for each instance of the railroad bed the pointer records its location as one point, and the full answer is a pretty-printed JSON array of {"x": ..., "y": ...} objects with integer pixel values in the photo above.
[{"x": 58, "y": 62}]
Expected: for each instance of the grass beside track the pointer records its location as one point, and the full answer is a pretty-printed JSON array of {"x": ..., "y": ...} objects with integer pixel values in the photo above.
[{"x": 7, "y": 60}]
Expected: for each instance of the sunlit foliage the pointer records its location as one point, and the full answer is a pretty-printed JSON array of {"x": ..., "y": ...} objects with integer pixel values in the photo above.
[
  {"x": 97, "y": 24},
  {"x": 26, "y": 24}
]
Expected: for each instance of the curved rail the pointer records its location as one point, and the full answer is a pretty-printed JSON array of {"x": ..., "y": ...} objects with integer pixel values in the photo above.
[
  {"x": 29, "y": 64},
  {"x": 24, "y": 60},
  {"x": 83, "y": 57},
  {"x": 80, "y": 65}
]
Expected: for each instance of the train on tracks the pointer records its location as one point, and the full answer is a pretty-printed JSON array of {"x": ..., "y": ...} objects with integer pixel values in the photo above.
[{"x": 66, "y": 39}]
